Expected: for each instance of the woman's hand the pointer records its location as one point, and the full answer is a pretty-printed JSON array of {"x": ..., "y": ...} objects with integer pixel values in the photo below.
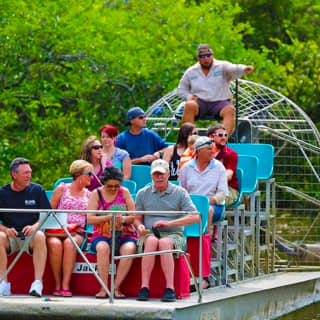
[{"x": 142, "y": 230}]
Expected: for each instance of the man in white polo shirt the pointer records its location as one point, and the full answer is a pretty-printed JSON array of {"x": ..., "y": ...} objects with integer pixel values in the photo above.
[
  {"x": 206, "y": 176},
  {"x": 206, "y": 88}
]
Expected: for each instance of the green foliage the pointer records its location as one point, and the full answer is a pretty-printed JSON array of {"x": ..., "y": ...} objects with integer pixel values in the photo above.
[{"x": 68, "y": 67}]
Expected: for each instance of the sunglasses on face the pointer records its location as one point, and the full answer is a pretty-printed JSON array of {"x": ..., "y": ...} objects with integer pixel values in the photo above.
[
  {"x": 87, "y": 173},
  {"x": 220, "y": 135},
  {"x": 207, "y": 55},
  {"x": 141, "y": 117},
  {"x": 195, "y": 132},
  {"x": 97, "y": 147},
  {"x": 112, "y": 186}
]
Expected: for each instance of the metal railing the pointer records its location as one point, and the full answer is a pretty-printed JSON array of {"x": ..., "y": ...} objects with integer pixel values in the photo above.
[{"x": 55, "y": 213}]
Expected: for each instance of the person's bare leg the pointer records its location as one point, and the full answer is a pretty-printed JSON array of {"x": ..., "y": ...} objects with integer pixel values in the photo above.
[
  {"x": 191, "y": 110},
  {"x": 167, "y": 261},
  {"x": 228, "y": 117},
  {"x": 147, "y": 263},
  {"x": 55, "y": 257},
  {"x": 69, "y": 259},
  {"x": 4, "y": 246},
  {"x": 39, "y": 248},
  {"x": 210, "y": 216},
  {"x": 103, "y": 261},
  {"x": 123, "y": 267}
]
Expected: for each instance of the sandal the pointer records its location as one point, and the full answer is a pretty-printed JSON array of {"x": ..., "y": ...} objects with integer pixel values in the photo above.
[
  {"x": 102, "y": 295},
  {"x": 66, "y": 293},
  {"x": 119, "y": 295},
  {"x": 57, "y": 293}
]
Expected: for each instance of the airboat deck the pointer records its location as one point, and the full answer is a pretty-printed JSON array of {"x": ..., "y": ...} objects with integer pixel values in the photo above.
[{"x": 266, "y": 297}]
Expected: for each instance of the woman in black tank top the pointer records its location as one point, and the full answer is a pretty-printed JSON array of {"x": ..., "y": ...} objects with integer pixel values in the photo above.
[{"x": 173, "y": 153}]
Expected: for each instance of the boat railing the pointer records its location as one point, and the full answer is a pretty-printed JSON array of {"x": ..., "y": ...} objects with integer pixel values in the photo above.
[{"x": 55, "y": 214}]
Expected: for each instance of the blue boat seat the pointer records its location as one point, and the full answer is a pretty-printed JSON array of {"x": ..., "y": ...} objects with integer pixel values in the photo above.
[
  {"x": 65, "y": 180},
  {"x": 141, "y": 175},
  {"x": 130, "y": 185}
]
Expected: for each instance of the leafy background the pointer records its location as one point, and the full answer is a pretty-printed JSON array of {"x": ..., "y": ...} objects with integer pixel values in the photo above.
[{"x": 68, "y": 67}]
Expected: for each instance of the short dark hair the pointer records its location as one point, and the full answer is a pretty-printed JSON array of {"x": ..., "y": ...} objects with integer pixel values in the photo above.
[
  {"x": 213, "y": 129},
  {"x": 111, "y": 173},
  {"x": 15, "y": 163}
]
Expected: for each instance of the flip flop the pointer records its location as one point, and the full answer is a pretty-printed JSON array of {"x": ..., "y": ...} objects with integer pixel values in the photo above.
[
  {"x": 66, "y": 293},
  {"x": 105, "y": 296},
  {"x": 57, "y": 293},
  {"x": 119, "y": 295}
]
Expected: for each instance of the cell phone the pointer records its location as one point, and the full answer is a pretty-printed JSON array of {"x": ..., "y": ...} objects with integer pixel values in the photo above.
[
  {"x": 156, "y": 232},
  {"x": 21, "y": 235}
]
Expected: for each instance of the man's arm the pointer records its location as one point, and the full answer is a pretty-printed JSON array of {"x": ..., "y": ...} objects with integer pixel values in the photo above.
[
  {"x": 183, "y": 221},
  {"x": 234, "y": 71}
]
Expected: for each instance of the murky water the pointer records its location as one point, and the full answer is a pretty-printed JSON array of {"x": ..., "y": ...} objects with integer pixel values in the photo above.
[{"x": 311, "y": 312}]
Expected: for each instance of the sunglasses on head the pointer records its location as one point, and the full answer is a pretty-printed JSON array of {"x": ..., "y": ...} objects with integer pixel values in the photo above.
[
  {"x": 88, "y": 173},
  {"x": 97, "y": 147},
  {"x": 220, "y": 135},
  {"x": 207, "y": 55}
]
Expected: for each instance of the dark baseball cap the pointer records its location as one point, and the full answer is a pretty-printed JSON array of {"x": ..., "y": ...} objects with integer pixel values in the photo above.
[{"x": 134, "y": 113}]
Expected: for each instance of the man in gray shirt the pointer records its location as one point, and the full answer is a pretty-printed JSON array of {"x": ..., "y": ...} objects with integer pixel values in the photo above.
[
  {"x": 165, "y": 196},
  {"x": 206, "y": 88}
]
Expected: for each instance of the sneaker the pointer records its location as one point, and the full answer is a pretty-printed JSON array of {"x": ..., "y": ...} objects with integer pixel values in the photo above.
[
  {"x": 36, "y": 288},
  {"x": 169, "y": 296},
  {"x": 143, "y": 294},
  {"x": 5, "y": 288}
]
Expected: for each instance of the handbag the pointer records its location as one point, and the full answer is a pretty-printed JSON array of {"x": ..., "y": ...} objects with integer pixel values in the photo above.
[
  {"x": 117, "y": 240},
  {"x": 52, "y": 232}
]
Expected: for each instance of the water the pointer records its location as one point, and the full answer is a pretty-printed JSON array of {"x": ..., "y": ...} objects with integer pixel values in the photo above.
[{"x": 311, "y": 312}]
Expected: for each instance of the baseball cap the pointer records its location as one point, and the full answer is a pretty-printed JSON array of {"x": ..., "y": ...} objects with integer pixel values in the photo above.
[
  {"x": 204, "y": 47},
  {"x": 202, "y": 142},
  {"x": 159, "y": 165},
  {"x": 133, "y": 113}
]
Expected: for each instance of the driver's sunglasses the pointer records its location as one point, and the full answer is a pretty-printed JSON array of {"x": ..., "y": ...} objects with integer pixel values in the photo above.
[
  {"x": 220, "y": 135},
  {"x": 207, "y": 55}
]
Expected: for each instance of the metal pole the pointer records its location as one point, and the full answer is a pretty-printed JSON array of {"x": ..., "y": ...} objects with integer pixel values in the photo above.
[{"x": 237, "y": 110}]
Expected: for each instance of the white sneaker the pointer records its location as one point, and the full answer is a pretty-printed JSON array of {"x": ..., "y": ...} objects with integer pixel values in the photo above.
[
  {"x": 36, "y": 288},
  {"x": 5, "y": 288}
]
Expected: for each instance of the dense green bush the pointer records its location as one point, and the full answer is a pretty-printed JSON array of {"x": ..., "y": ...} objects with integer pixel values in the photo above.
[{"x": 68, "y": 67}]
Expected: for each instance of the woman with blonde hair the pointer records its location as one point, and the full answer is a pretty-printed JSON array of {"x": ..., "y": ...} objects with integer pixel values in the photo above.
[
  {"x": 62, "y": 252},
  {"x": 91, "y": 151}
]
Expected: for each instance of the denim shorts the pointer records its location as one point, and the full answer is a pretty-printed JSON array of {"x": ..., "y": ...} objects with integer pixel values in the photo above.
[
  {"x": 219, "y": 211},
  {"x": 94, "y": 243}
]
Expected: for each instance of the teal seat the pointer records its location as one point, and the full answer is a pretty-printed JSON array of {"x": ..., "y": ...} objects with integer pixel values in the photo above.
[
  {"x": 65, "y": 180},
  {"x": 264, "y": 153},
  {"x": 49, "y": 194},
  {"x": 175, "y": 182},
  {"x": 202, "y": 205},
  {"x": 249, "y": 165},
  {"x": 141, "y": 175},
  {"x": 130, "y": 185},
  {"x": 239, "y": 174}
]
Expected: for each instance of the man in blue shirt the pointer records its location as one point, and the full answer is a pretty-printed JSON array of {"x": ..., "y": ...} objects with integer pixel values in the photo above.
[{"x": 143, "y": 145}]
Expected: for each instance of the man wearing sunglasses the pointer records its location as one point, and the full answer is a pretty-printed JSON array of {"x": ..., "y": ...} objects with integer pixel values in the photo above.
[
  {"x": 228, "y": 157},
  {"x": 142, "y": 144},
  {"x": 206, "y": 88}
]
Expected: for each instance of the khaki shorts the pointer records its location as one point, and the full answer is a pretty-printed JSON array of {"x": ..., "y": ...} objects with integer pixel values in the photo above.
[
  {"x": 176, "y": 237},
  {"x": 16, "y": 245},
  {"x": 232, "y": 197}
]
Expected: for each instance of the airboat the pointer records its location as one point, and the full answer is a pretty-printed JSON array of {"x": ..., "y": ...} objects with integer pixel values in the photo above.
[{"x": 248, "y": 285}]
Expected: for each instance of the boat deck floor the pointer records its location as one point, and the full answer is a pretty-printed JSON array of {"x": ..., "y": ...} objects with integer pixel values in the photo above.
[{"x": 265, "y": 297}]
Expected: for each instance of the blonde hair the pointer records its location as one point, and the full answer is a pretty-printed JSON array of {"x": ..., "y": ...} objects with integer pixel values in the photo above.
[
  {"x": 192, "y": 139},
  {"x": 86, "y": 148},
  {"x": 77, "y": 167}
]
